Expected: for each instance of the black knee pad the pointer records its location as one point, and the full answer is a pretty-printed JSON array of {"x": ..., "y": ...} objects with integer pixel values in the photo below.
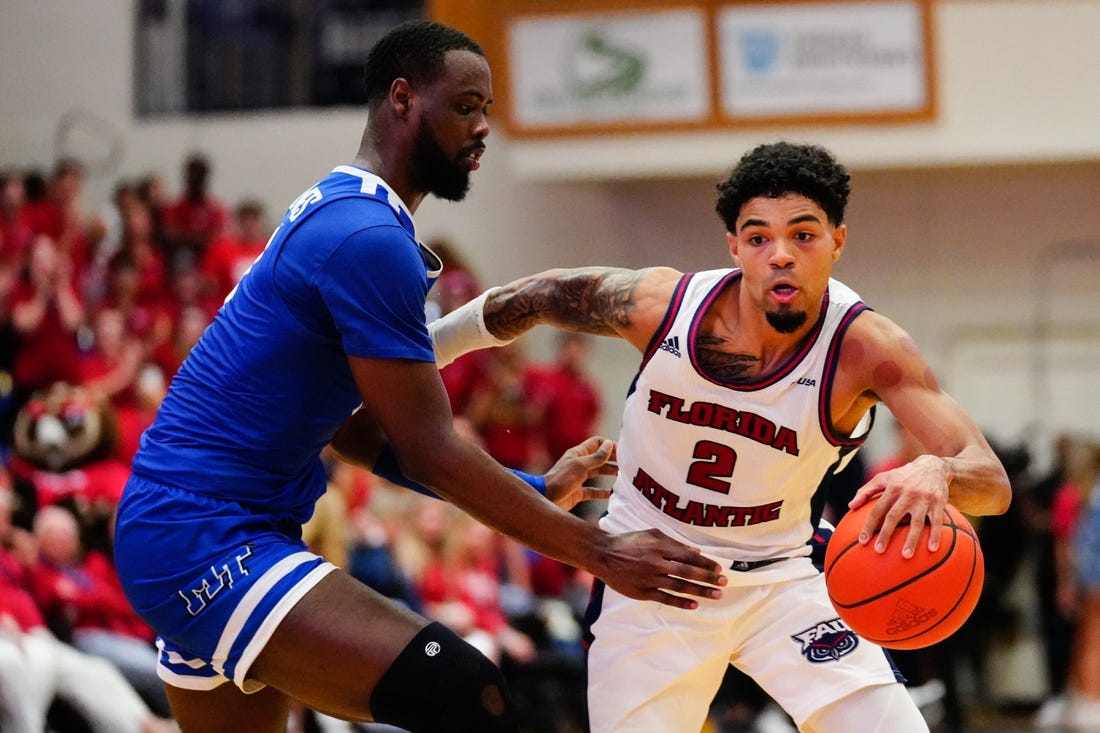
[{"x": 439, "y": 683}]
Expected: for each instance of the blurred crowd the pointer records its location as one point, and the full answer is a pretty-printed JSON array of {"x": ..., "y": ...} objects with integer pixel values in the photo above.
[{"x": 98, "y": 310}]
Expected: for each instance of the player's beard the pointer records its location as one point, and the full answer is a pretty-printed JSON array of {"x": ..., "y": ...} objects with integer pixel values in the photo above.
[
  {"x": 438, "y": 174},
  {"x": 786, "y": 321}
]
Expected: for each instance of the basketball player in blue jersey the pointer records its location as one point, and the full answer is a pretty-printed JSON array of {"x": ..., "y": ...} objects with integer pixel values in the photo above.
[
  {"x": 330, "y": 317},
  {"x": 756, "y": 383}
]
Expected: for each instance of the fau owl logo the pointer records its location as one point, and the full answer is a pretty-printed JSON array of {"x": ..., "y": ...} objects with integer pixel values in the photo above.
[{"x": 826, "y": 641}]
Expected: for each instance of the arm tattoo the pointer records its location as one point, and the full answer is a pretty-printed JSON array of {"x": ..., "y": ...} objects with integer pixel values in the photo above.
[
  {"x": 723, "y": 366},
  {"x": 589, "y": 300}
]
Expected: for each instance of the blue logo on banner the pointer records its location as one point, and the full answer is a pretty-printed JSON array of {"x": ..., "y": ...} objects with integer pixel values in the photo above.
[{"x": 759, "y": 49}]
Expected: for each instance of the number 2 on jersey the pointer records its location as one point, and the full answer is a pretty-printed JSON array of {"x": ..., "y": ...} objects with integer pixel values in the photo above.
[{"x": 715, "y": 464}]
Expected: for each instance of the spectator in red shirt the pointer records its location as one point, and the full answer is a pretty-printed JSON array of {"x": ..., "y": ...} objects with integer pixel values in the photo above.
[
  {"x": 231, "y": 254},
  {"x": 124, "y": 294},
  {"x": 506, "y": 412},
  {"x": 197, "y": 217},
  {"x": 569, "y": 396},
  {"x": 135, "y": 276},
  {"x": 112, "y": 364},
  {"x": 46, "y": 313},
  {"x": 139, "y": 238},
  {"x": 60, "y": 215},
  {"x": 188, "y": 300},
  {"x": 108, "y": 228},
  {"x": 15, "y": 229},
  {"x": 150, "y": 189},
  {"x": 15, "y": 239},
  {"x": 190, "y": 324}
]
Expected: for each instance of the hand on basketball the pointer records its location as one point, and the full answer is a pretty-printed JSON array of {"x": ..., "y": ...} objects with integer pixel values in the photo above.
[
  {"x": 649, "y": 566},
  {"x": 904, "y": 602},
  {"x": 565, "y": 481},
  {"x": 911, "y": 494}
]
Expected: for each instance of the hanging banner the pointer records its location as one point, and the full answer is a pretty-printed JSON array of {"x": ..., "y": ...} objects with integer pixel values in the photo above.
[
  {"x": 823, "y": 59},
  {"x": 619, "y": 66},
  {"x": 638, "y": 68}
]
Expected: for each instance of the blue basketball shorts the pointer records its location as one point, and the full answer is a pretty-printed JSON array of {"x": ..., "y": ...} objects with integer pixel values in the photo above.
[{"x": 213, "y": 578}]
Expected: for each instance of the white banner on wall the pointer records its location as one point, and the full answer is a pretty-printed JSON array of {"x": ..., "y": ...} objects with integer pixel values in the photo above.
[
  {"x": 815, "y": 58},
  {"x": 603, "y": 68}
]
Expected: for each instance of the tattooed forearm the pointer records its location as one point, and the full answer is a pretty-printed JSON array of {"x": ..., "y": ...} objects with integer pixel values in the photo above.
[
  {"x": 588, "y": 300},
  {"x": 722, "y": 365}
]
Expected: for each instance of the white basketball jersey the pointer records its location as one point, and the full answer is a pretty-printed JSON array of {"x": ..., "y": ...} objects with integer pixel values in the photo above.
[{"x": 734, "y": 469}]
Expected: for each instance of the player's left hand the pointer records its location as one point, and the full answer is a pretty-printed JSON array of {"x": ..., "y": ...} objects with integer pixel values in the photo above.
[
  {"x": 917, "y": 492},
  {"x": 565, "y": 481}
]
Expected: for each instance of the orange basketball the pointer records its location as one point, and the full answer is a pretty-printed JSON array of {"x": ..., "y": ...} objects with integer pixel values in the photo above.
[{"x": 904, "y": 603}]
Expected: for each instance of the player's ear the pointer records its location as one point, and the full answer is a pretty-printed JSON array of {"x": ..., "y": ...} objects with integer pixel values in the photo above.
[
  {"x": 840, "y": 236},
  {"x": 731, "y": 238},
  {"x": 401, "y": 95}
]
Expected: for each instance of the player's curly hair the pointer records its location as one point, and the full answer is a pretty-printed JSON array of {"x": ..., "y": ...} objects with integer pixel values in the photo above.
[
  {"x": 415, "y": 51},
  {"x": 775, "y": 169}
]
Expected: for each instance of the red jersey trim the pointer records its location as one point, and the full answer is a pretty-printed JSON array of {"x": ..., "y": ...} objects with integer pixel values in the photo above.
[{"x": 832, "y": 361}]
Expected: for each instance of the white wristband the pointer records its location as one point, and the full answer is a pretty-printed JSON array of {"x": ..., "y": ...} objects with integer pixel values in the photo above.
[{"x": 463, "y": 330}]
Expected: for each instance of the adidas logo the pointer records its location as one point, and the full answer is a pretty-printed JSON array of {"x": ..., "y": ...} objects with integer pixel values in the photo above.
[
  {"x": 671, "y": 345},
  {"x": 907, "y": 616}
]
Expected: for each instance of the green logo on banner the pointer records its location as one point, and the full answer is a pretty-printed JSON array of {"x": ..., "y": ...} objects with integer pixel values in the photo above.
[{"x": 600, "y": 68}]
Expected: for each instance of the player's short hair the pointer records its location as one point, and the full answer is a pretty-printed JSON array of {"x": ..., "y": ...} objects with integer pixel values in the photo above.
[
  {"x": 775, "y": 169},
  {"x": 414, "y": 50}
]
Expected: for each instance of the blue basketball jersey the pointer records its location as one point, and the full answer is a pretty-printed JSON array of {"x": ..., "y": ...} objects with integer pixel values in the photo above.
[{"x": 268, "y": 384}]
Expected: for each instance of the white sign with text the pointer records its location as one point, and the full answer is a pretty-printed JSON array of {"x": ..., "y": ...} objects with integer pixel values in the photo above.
[
  {"x": 603, "y": 68},
  {"x": 816, "y": 58}
]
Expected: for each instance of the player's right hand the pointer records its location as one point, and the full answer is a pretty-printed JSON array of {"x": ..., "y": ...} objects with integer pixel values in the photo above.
[{"x": 649, "y": 566}]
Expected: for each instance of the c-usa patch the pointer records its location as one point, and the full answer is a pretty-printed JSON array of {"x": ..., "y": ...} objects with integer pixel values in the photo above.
[{"x": 827, "y": 641}]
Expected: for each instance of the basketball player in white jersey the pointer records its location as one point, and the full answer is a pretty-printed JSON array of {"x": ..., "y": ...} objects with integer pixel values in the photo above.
[{"x": 756, "y": 383}]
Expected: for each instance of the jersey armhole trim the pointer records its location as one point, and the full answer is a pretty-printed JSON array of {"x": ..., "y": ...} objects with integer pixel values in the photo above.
[
  {"x": 669, "y": 318},
  {"x": 832, "y": 362}
]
